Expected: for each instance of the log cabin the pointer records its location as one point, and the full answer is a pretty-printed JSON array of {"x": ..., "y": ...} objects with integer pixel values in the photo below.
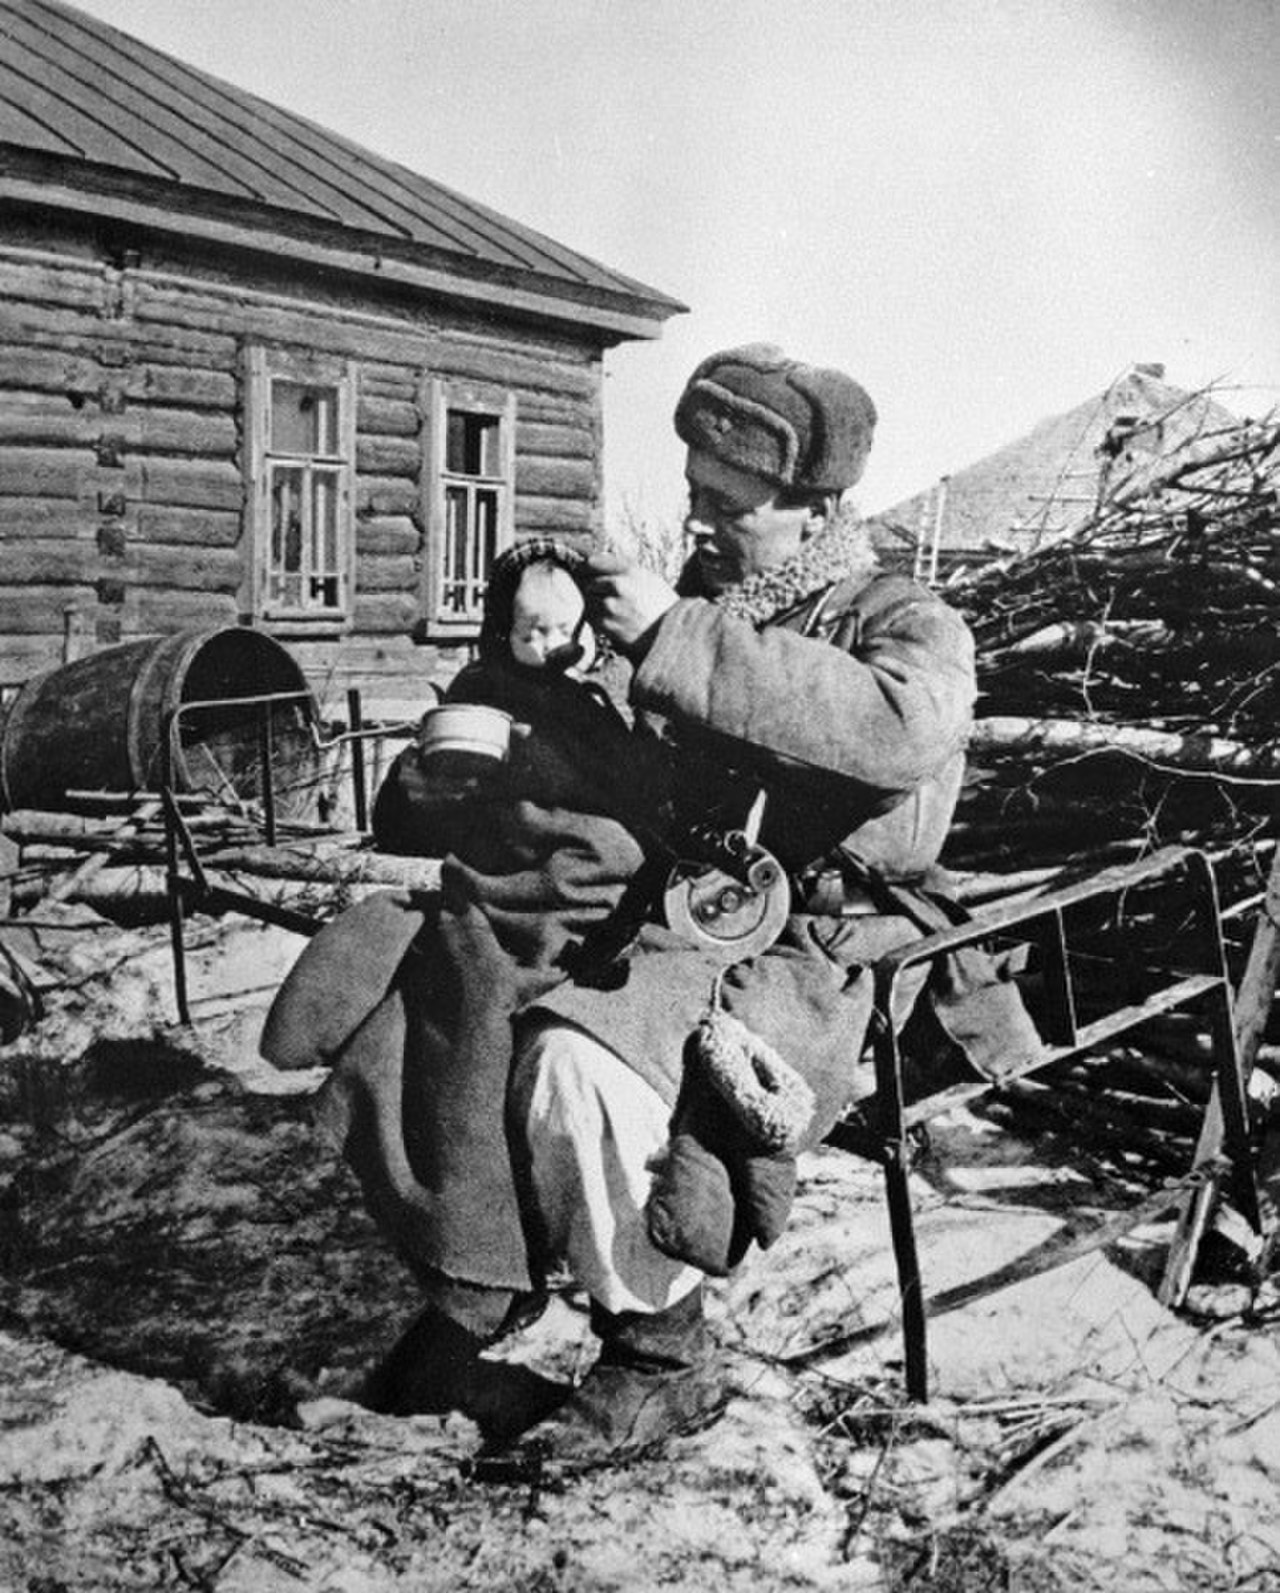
[{"x": 254, "y": 375}]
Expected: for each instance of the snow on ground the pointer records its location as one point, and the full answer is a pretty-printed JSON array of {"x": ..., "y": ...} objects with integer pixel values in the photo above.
[{"x": 187, "y": 1277}]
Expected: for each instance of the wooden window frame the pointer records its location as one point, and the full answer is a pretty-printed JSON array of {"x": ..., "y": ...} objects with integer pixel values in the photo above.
[
  {"x": 264, "y": 366},
  {"x": 443, "y": 396}
]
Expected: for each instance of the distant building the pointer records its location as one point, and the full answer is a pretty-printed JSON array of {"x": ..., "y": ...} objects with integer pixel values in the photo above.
[
  {"x": 252, "y": 374},
  {"x": 1048, "y": 481}
]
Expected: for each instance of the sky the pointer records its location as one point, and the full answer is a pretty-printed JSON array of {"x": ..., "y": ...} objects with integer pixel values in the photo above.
[{"x": 985, "y": 210}]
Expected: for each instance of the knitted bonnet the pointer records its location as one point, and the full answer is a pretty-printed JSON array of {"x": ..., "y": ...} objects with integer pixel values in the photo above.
[{"x": 504, "y": 579}]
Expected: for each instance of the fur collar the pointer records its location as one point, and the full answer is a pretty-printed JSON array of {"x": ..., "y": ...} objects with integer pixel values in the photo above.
[{"x": 842, "y": 551}]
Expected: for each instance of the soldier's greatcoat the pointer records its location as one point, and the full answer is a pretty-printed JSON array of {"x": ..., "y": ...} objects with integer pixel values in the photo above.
[{"x": 843, "y": 693}]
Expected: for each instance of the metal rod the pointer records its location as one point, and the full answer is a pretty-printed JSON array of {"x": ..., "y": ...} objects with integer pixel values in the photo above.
[
  {"x": 355, "y": 721},
  {"x": 172, "y": 878},
  {"x": 889, "y": 1103},
  {"x": 265, "y": 756}
]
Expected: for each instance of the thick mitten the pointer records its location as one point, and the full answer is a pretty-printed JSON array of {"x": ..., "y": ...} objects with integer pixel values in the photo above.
[
  {"x": 764, "y": 1187},
  {"x": 691, "y": 1211},
  {"x": 716, "y": 1191},
  {"x": 770, "y": 1099}
]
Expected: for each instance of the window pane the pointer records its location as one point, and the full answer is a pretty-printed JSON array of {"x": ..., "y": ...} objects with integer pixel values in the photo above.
[
  {"x": 490, "y": 455},
  {"x": 324, "y": 520},
  {"x": 286, "y": 518},
  {"x": 486, "y": 542},
  {"x": 472, "y": 444},
  {"x": 323, "y": 588},
  {"x": 304, "y": 418},
  {"x": 453, "y": 591}
]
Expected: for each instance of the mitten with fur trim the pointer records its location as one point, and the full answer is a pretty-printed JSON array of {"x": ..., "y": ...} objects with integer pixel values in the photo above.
[
  {"x": 691, "y": 1211},
  {"x": 716, "y": 1191}
]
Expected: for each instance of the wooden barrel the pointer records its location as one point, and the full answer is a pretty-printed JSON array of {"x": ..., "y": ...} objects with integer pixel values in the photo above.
[{"x": 98, "y": 724}]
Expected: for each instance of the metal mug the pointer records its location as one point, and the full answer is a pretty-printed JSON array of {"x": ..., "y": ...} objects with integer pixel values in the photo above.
[{"x": 472, "y": 730}]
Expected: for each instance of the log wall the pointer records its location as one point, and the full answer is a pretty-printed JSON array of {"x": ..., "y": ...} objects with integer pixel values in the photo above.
[{"x": 122, "y": 462}]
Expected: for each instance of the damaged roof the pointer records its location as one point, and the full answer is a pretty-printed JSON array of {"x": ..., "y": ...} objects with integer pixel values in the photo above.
[
  {"x": 94, "y": 120},
  {"x": 1035, "y": 487}
]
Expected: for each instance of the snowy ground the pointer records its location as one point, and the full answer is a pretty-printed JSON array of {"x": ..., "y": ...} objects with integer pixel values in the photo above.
[{"x": 186, "y": 1274}]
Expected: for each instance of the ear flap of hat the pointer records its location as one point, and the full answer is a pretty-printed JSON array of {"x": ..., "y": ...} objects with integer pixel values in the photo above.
[{"x": 843, "y": 424}]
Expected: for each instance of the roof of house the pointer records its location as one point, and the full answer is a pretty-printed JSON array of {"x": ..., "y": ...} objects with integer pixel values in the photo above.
[
  {"x": 1051, "y": 479},
  {"x": 96, "y": 121}
]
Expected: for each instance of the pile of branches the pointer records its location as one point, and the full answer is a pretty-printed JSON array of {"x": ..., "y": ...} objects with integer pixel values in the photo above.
[
  {"x": 1130, "y": 670},
  {"x": 1129, "y": 676}
]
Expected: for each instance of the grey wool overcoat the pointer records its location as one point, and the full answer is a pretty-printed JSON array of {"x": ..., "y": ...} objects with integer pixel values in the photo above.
[{"x": 842, "y": 693}]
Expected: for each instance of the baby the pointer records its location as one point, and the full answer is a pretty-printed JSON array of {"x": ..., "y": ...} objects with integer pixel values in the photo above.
[
  {"x": 548, "y": 621},
  {"x": 569, "y": 745}
]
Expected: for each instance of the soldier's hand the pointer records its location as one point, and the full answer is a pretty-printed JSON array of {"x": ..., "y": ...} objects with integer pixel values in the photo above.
[{"x": 624, "y": 600}]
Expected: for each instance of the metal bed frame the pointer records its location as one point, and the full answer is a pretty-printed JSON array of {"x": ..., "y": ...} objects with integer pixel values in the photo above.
[{"x": 881, "y": 1126}]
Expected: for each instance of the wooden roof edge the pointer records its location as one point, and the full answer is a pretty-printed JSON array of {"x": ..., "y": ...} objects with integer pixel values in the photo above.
[{"x": 607, "y": 310}]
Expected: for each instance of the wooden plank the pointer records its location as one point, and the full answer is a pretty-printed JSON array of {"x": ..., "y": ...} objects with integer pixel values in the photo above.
[
  {"x": 192, "y": 483},
  {"x": 1257, "y": 993},
  {"x": 504, "y": 367},
  {"x": 388, "y": 574},
  {"x": 151, "y": 610},
  {"x": 39, "y": 326},
  {"x": 382, "y": 496},
  {"x": 73, "y": 286},
  {"x": 192, "y": 432},
  {"x": 1253, "y": 1003},
  {"x": 308, "y": 322},
  {"x": 386, "y": 417},
  {"x": 47, "y": 370},
  {"x": 550, "y": 516},
  {"x": 192, "y": 386},
  {"x": 379, "y": 380},
  {"x": 46, "y": 420},
  {"x": 548, "y": 440},
  {"x": 381, "y": 534},
  {"x": 536, "y": 341},
  {"x": 47, "y": 473},
  {"x": 556, "y": 478},
  {"x": 552, "y": 409},
  {"x": 385, "y": 613},
  {"x": 21, "y": 657},
  {"x": 358, "y": 655},
  {"x": 43, "y": 420},
  {"x": 23, "y": 519},
  {"x": 42, "y": 327},
  {"x": 388, "y": 456},
  {"x": 193, "y": 569},
  {"x": 53, "y": 562},
  {"x": 40, "y": 610},
  {"x": 181, "y": 527}
]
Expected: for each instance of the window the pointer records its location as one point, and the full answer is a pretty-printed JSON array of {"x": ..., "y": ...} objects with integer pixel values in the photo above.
[
  {"x": 301, "y": 414},
  {"x": 472, "y": 499}
]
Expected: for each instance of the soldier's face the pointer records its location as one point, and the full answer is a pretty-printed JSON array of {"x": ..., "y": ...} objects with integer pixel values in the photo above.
[{"x": 737, "y": 526}]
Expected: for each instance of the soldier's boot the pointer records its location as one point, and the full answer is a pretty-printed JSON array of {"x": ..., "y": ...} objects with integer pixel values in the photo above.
[
  {"x": 656, "y": 1377},
  {"x": 436, "y": 1365}
]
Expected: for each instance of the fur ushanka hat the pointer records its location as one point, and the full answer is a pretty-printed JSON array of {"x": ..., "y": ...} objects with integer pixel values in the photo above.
[{"x": 799, "y": 426}]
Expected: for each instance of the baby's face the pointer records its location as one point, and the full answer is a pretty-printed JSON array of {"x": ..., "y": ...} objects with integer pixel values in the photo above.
[{"x": 545, "y": 615}]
